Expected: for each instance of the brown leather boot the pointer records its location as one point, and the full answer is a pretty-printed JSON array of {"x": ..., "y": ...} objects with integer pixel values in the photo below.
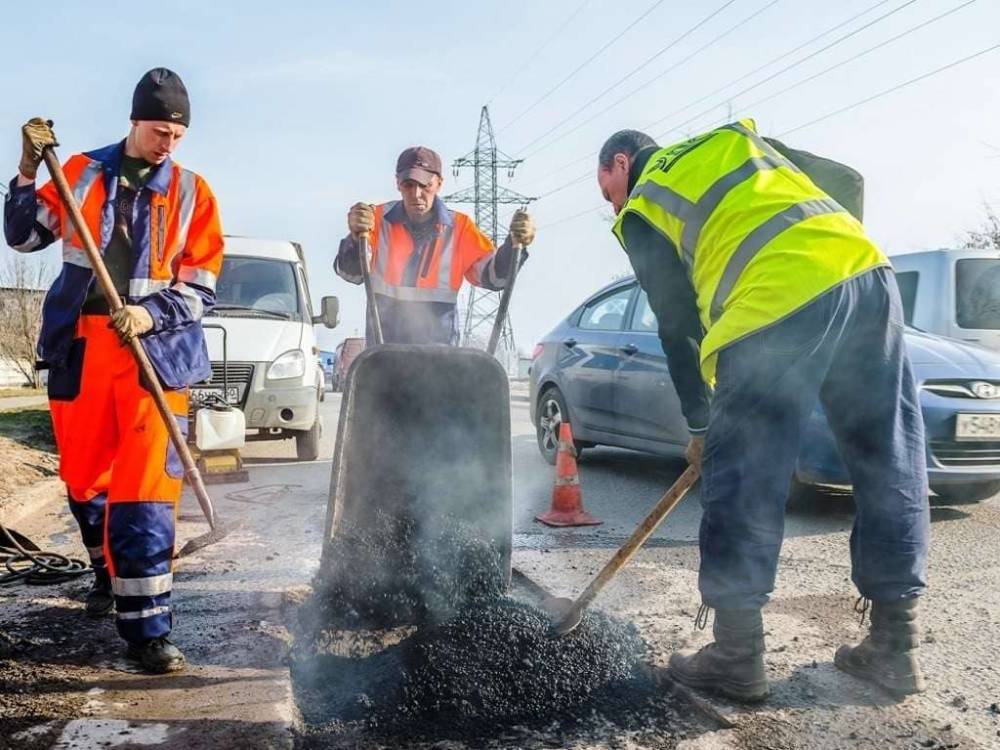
[
  {"x": 734, "y": 664},
  {"x": 888, "y": 654}
]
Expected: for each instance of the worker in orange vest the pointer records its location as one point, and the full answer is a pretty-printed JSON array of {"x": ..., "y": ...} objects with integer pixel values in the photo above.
[
  {"x": 422, "y": 251},
  {"x": 157, "y": 225}
]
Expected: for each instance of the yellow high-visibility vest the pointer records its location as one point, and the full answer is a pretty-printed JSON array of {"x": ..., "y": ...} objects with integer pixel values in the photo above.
[{"x": 758, "y": 238}]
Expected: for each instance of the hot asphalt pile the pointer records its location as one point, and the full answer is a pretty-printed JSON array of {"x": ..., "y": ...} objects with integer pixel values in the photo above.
[{"x": 479, "y": 662}]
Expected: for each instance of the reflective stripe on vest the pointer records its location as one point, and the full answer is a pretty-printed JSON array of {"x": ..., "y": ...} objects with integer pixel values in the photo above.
[
  {"x": 430, "y": 286},
  {"x": 762, "y": 235},
  {"x": 72, "y": 246}
]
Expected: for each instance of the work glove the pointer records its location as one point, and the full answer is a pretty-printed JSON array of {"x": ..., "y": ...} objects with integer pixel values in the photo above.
[
  {"x": 360, "y": 219},
  {"x": 695, "y": 447},
  {"x": 131, "y": 321},
  {"x": 36, "y": 134},
  {"x": 522, "y": 228}
]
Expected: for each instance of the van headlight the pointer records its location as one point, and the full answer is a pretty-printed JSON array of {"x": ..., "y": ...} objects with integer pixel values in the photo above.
[{"x": 289, "y": 365}]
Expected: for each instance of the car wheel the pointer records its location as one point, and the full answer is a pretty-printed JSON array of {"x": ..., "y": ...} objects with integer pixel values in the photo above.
[
  {"x": 552, "y": 412},
  {"x": 973, "y": 492},
  {"x": 307, "y": 441}
]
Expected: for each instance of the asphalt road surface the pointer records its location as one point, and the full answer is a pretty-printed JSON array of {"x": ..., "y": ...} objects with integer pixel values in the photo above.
[
  {"x": 812, "y": 610},
  {"x": 236, "y": 586}
]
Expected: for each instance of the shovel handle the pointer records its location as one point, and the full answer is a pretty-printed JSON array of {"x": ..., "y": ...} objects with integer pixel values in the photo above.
[
  {"x": 366, "y": 276},
  {"x": 114, "y": 304},
  {"x": 645, "y": 529}
]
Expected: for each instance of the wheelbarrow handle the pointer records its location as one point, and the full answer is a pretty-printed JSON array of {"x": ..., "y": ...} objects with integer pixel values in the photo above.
[
  {"x": 142, "y": 359},
  {"x": 508, "y": 290},
  {"x": 366, "y": 276}
]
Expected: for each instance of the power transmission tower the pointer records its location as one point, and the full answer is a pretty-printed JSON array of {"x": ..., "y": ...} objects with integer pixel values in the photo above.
[{"x": 486, "y": 195}]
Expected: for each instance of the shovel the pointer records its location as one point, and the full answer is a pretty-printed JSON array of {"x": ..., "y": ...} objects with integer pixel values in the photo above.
[
  {"x": 567, "y": 613},
  {"x": 145, "y": 366}
]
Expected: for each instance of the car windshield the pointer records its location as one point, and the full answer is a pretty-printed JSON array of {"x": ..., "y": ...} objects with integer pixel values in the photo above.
[
  {"x": 259, "y": 287},
  {"x": 977, "y": 293}
]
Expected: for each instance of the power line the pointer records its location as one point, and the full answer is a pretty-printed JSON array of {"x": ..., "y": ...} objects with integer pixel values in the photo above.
[
  {"x": 891, "y": 89},
  {"x": 582, "y": 65},
  {"x": 846, "y": 108},
  {"x": 785, "y": 69},
  {"x": 658, "y": 76},
  {"x": 743, "y": 77},
  {"x": 662, "y": 51},
  {"x": 570, "y": 218},
  {"x": 851, "y": 59},
  {"x": 537, "y": 52},
  {"x": 751, "y": 87}
]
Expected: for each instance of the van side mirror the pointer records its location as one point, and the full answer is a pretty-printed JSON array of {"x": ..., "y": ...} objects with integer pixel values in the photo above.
[{"x": 330, "y": 315}]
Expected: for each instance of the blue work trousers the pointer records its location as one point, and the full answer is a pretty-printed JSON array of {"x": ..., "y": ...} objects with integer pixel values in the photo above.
[{"x": 846, "y": 351}]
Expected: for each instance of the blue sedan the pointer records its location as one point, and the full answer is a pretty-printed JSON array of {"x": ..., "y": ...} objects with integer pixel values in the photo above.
[{"x": 603, "y": 369}]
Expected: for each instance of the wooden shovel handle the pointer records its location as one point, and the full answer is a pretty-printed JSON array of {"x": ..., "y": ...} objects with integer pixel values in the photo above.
[{"x": 142, "y": 359}]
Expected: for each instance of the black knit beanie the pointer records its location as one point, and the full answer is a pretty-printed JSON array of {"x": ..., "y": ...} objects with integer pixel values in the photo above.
[{"x": 160, "y": 95}]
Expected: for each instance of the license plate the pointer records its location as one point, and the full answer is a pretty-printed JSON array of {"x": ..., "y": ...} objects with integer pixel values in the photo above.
[
  {"x": 977, "y": 427},
  {"x": 200, "y": 396}
]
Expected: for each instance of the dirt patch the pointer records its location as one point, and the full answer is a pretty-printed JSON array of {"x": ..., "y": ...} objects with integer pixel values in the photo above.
[
  {"x": 27, "y": 451},
  {"x": 45, "y": 653},
  {"x": 21, "y": 392}
]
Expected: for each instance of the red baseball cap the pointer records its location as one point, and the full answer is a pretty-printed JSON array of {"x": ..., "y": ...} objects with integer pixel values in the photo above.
[{"x": 418, "y": 163}]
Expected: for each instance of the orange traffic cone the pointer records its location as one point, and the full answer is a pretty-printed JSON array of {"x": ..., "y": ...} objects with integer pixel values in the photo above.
[{"x": 567, "y": 498}]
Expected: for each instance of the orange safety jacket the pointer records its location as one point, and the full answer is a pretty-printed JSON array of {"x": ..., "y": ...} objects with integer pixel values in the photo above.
[
  {"x": 457, "y": 251},
  {"x": 177, "y": 251}
]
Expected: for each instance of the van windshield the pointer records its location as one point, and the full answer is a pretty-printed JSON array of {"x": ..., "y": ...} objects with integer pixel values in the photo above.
[
  {"x": 258, "y": 287},
  {"x": 977, "y": 293}
]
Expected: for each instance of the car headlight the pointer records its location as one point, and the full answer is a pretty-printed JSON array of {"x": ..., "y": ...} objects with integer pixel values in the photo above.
[{"x": 289, "y": 365}]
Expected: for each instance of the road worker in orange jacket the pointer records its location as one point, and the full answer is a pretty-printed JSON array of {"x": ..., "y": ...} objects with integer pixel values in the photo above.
[
  {"x": 157, "y": 225},
  {"x": 422, "y": 251}
]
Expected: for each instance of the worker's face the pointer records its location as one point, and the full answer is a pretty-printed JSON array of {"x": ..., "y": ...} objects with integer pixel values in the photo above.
[
  {"x": 155, "y": 140},
  {"x": 613, "y": 181},
  {"x": 418, "y": 199}
]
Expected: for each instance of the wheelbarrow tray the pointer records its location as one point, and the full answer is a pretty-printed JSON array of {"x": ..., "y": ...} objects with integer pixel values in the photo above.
[{"x": 424, "y": 434}]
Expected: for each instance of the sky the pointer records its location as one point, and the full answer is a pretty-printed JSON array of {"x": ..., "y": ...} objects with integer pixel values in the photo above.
[{"x": 299, "y": 109}]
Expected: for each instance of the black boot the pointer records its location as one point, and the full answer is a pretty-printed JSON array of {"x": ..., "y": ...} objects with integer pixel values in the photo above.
[
  {"x": 888, "y": 655},
  {"x": 158, "y": 655},
  {"x": 734, "y": 664},
  {"x": 100, "y": 600}
]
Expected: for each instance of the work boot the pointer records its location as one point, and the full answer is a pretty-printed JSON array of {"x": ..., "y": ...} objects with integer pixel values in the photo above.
[
  {"x": 158, "y": 655},
  {"x": 888, "y": 654},
  {"x": 734, "y": 664},
  {"x": 100, "y": 600}
]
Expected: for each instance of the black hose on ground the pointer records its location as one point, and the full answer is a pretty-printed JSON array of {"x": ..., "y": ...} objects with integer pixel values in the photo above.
[{"x": 26, "y": 563}]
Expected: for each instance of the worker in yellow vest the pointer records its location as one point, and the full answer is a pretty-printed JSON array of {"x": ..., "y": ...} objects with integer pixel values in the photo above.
[{"x": 774, "y": 291}]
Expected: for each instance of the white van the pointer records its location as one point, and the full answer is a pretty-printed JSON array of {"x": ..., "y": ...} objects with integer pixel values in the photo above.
[
  {"x": 955, "y": 293},
  {"x": 262, "y": 344}
]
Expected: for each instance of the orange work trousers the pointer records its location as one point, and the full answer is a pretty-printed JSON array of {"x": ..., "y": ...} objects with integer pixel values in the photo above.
[{"x": 122, "y": 474}]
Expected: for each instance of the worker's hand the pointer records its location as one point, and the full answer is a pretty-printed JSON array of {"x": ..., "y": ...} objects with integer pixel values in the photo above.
[
  {"x": 522, "y": 228},
  {"x": 696, "y": 446},
  {"x": 360, "y": 219},
  {"x": 36, "y": 134},
  {"x": 131, "y": 321}
]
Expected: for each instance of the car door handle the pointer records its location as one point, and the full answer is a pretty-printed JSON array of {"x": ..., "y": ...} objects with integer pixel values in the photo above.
[
  {"x": 569, "y": 342},
  {"x": 629, "y": 349}
]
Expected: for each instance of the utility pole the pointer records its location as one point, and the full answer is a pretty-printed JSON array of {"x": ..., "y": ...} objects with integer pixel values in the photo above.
[{"x": 486, "y": 195}]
